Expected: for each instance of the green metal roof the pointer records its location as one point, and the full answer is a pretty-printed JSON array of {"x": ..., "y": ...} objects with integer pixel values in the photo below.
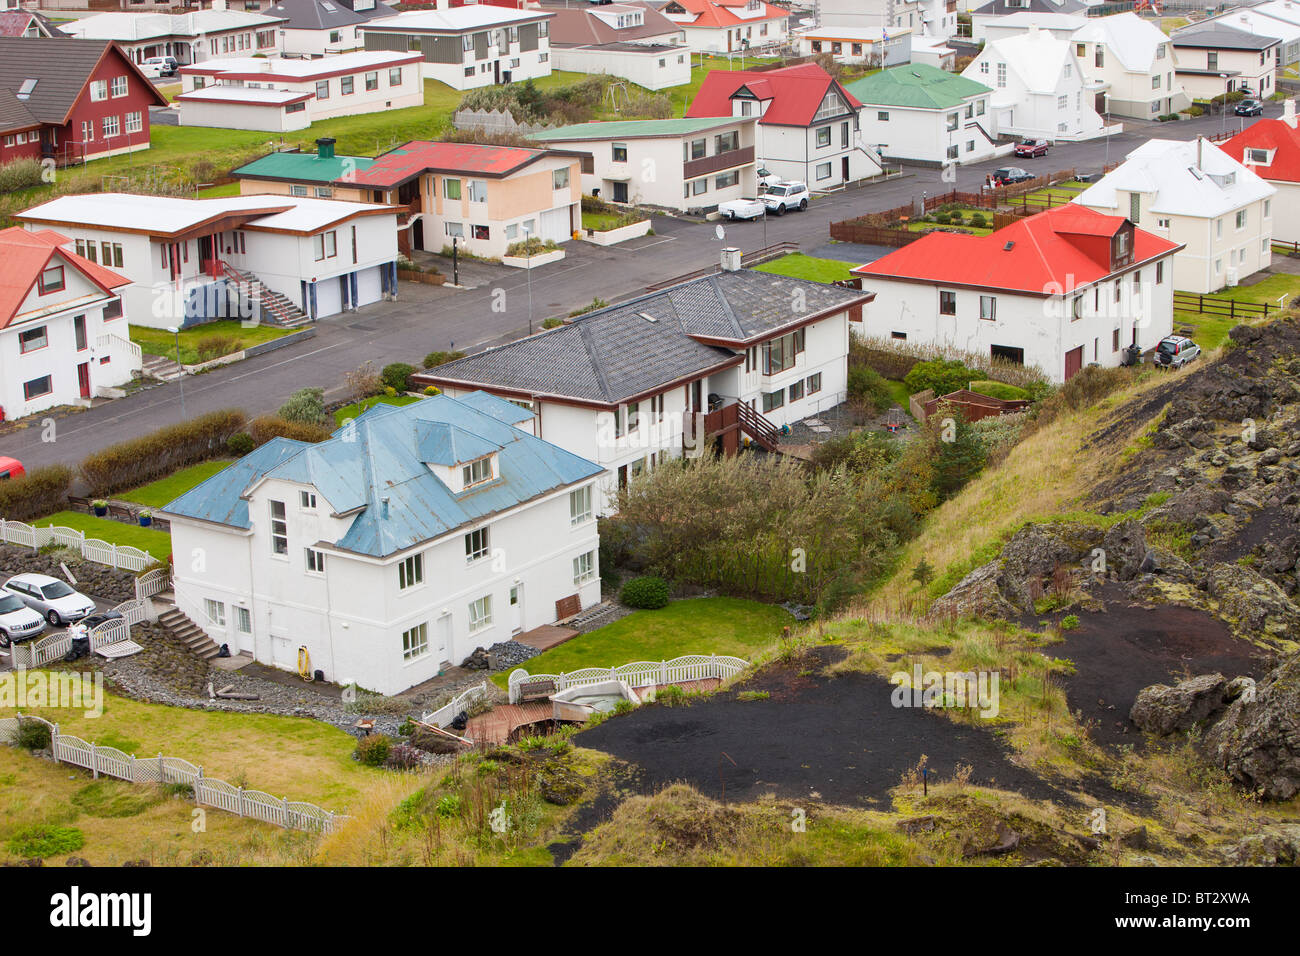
[
  {"x": 303, "y": 167},
  {"x": 915, "y": 85},
  {"x": 631, "y": 129}
]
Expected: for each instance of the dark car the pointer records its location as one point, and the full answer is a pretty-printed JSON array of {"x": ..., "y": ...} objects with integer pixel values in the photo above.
[
  {"x": 1010, "y": 174},
  {"x": 92, "y": 621},
  {"x": 1249, "y": 108},
  {"x": 1031, "y": 149}
]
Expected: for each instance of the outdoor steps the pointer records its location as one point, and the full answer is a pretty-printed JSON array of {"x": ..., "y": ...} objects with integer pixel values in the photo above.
[
  {"x": 276, "y": 309},
  {"x": 188, "y": 633},
  {"x": 161, "y": 368}
]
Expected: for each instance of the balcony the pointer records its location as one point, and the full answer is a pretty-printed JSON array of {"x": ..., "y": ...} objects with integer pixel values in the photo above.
[{"x": 694, "y": 168}]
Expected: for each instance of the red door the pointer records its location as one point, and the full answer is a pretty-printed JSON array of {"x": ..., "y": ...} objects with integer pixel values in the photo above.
[
  {"x": 1073, "y": 361},
  {"x": 83, "y": 379}
]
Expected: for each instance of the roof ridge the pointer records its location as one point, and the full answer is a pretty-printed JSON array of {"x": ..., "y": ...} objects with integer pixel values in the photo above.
[{"x": 593, "y": 354}]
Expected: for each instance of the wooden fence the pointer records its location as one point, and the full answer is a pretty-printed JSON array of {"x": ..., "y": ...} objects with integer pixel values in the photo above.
[
  {"x": 120, "y": 556},
  {"x": 208, "y": 791},
  {"x": 852, "y": 230},
  {"x": 639, "y": 674},
  {"x": 1221, "y": 307}
]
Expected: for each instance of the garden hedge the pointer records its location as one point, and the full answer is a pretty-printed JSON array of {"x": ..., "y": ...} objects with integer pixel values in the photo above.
[
  {"x": 265, "y": 427},
  {"x": 141, "y": 460},
  {"x": 38, "y": 493}
]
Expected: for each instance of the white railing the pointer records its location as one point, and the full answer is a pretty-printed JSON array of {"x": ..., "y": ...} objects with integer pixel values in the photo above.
[
  {"x": 42, "y": 651},
  {"x": 448, "y": 711},
  {"x": 132, "y": 611},
  {"x": 120, "y": 556},
  {"x": 638, "y": 674},
  {"x": 208, "y": 791},
  {"x": 151, "y": 583},
  {"x": 107, "y": 340}
]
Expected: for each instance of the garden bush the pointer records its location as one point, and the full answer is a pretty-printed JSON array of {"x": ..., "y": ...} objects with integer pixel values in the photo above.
[
  {"x": 396, "y": 375},
  {"x": 868, "y": 389},
  {"x": 307, "y": 406},
  {"x": 859, "y": 452},
  {"x": 240, "y": 444},
  {"x": 645, "y": 592},
  {"x": 373, "y": 750},
  {"x": 45, "y": 840},
  {"x": 138, "y": 461},
  {"x": 214, "y": 346},
  {"x": 32, "y": 735},
  {"x": 19, "y": 174},
  {"x": 554, "y": 322},
  {"x": 265, "y": 427},
  {"x": 434, "y": 359},
  {"x": 978, "y": 221},
  {"x": 404, "y": 756},
  {"x": 39, "y": 492},
  {"x": 942, "y": 375},
  {"x": 942, "y": 218},
  {"x": 532, "y": 246}
]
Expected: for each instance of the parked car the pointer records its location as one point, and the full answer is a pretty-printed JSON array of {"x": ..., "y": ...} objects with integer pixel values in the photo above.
[
  {"x": 742, "y": 209},
  {"x": 1010, "y": 174},
  {"x": 55, "y": 599},
  {"x": 1249, "y": 108},
  {"x": 786, "y": 195},
  {"x": 11, "y": 468},
  {"x": 1175, "y": 351},
  {"x": 91, "y": 621},
  {"x": 766, "y": 178},
  {"x": 159, "y": 66},
  {"x": 18, "y": 622},
  {"x": 1031, "y": 148}
]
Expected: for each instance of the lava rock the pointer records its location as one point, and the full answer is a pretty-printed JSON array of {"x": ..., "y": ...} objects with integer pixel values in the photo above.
[
  {"x": 1163, "y": 710},
  {"x": 1257, "y": 740}
]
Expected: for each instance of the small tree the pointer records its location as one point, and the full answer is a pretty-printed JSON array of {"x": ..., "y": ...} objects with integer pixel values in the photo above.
[
  {"x": 923, "y": 573},
  {"x": 307, "y": 405},
  {"x": 363, "y": 381}
]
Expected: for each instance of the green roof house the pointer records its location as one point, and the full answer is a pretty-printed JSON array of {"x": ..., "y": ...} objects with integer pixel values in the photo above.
[
  {"x": 304, "y": 174},
  {"x": 922, "y": 114}
]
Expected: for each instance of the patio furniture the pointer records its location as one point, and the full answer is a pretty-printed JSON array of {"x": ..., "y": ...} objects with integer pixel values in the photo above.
[{"x": 536, "y": 690}]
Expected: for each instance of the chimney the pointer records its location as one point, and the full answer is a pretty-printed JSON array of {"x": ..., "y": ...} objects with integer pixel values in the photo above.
[
  {"x": 1288, "y": 113},
  {"x": 730, "y": 259},
  {"x": 1200, "y": 149},
  {"x": 383, "y": 511},
  {"x": 325, "y": 147}
]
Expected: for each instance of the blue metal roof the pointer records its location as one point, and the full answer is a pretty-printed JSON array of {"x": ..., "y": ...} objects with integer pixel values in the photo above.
[
  {"x": 385, "y": 453},
  {"x": 499, "y": 408}
]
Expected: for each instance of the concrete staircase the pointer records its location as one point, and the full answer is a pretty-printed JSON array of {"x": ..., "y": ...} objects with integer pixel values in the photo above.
[
  {"x": 160, "y": 367},
  {"x": 179, "y": 626},
  {"x": 274, "y": 308}
]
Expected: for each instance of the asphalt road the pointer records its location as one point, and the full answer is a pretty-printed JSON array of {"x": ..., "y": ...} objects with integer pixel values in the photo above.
[{"x": 429, "y": 318}]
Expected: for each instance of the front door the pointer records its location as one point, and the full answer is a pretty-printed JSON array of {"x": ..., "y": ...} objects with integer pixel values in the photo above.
[
  {"x": 844, "y": 168},
  {"x": 444, "y": 638},
  {"x": 83, "y": 379},
  {"x": 1073, "y": 362},
  {"x": 516, "y": 609},
  {"x": 496, "y": 71}
]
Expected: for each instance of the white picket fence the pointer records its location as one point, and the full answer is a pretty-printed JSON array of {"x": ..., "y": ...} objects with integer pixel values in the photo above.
[
  {"x": 447, "y": 712},
  {"x": 208, "y": 791},
  {"x": 639, "y": 674},
  {"x": 151, "y": 583},
  {"x": 52, "y": 647},
  {"x": 120, "y": 556}
]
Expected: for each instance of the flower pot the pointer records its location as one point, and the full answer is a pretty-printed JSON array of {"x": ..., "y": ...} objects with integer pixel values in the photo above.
[
  {"x": 100, "y": 511},
  {"x": 145, "y": 520}
]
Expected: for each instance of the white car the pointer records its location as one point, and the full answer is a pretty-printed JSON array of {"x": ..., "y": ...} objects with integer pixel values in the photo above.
[
  {"x": 54, "y": 599},
  {"x": 742, "y": 209},
  {"x": 766, "y": 178},
  {"x": 785, "y": 196},
  {"x": 158, "y": 66},
  {"x": 18, "y": 622}
]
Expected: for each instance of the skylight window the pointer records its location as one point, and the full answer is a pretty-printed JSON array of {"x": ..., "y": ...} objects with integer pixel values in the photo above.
[
  {"x": 647, "y": 316},
  {"x": 26, "y": 90}
]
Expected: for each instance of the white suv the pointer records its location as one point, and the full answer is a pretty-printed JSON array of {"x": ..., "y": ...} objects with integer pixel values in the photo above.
[
  {"x": 784, "y": 196},
  {"x": 18, "y": 622}
]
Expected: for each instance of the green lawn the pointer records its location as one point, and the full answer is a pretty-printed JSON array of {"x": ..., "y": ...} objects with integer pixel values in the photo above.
[
  {"x": 603, "y": 221},
  {"x": 352, "y": 411},
  {"x": 796, "y": 265},
  {"x": 697, "y": 626},
  {"x": 213, "y": 192},
  {"x": 157, "y": 543},
  {"x": 160, "y": 492},
  {"x": 1210, "y": 331},
  {"x": 899, "y": 393},
  {"x": 161, "y": 342}
]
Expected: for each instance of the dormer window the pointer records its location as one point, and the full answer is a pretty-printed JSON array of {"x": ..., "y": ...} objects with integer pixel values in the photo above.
[
  {"x": 477, "y": 472},
  {"x": 1257, "y": 157},
  {"x": 51, "y": 280}
]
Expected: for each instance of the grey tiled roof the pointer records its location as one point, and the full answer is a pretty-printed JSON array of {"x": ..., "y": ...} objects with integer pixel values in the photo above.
[
  {"x": 617, "y": 352},
  {"x": 60, "y": 65}
]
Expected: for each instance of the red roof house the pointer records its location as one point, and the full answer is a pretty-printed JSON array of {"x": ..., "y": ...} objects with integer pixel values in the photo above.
[
  {"x": 1270, "y": 148},
  {"x": 1059, "y": 289}
]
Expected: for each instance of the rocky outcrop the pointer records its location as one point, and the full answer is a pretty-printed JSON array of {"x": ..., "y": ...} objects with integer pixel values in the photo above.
[
  {"x": 1257, "y": 740},
  {"x": 1272, "y": 846},
  {"x": 96, "y": 580},
  {"x": 1163, "y": 710},
  {"x": 1252, "y": 602},
  {"x": 1125, "y": 547}
]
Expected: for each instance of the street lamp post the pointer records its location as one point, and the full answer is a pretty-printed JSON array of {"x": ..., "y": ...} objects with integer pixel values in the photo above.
[
  {"x": 528, "y": 268},
  {"x": 175, "y": 330}
]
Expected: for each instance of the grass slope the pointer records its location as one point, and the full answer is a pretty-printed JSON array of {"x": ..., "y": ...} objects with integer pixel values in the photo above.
[
  {"x": 164, "y": 490},
  {"x": 157, "y": 543}
]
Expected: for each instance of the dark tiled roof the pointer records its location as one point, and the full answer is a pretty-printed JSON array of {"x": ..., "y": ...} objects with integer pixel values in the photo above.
[
  {"x": 1003, "y": 7},
  {"x": 1219, "y": 36},
  {"x": 325, "y": 14},
  {"x": 13, "y": 114},
  {"x": 618, "y": 352},
  {"x": 61, "y": 65}
]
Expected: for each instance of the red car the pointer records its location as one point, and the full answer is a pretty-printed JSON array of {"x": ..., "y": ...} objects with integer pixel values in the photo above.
[
  {"x": 1032, "y": 148},
  {"x": 11, "y": 468}
]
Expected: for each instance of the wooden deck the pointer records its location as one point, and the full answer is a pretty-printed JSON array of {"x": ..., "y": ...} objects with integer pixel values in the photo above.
[{"x": 547, "y": 636}]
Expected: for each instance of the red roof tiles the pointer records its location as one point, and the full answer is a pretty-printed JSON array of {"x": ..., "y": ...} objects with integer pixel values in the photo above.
[
  {"x": 1270, "y": 134},
  {"x": 796, "y": 93},
  {"x": 26, "y": 254}
]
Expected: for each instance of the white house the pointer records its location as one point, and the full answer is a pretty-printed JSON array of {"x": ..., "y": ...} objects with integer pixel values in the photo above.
[
  {"x": 195, "y": 37},
  {"x": 933, "y": 51},
  {"x": 1278, "y": 18},
  {"x": 728, "y": 26},
  {"x": 1220, "y": 56},
  {"x": 286, "y": 257},
  {"x": 931, "y": 18},
  {"x": 1057, "y": 290},
  {"x": 1270, "y": 148},
  {"x": 63, "y": 339},
  {"x": 393, "y": 549},
  {"x": 468, "y": 47},
  {"x": 997, "y": 13},
  {"x": 684, "y": 164},
  {"x": 807, "y": 122},
  {"x": 874, "y": 46},
  {"x": 1196, "y": 195},
  {"x": 320, "y": 27},
  {"x": 1038, "y": 91},
  {"x": 283, "y": 95},
  {"x": 707, "y": 363},
  {"x": 1129, "y": 66},
  {"x": 628, "y": 40},
  {"x": 922, "y": 114},
  {"x": 1062, "y": 26}
]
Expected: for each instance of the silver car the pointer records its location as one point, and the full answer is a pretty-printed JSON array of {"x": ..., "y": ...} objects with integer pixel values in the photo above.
[
  {"x": 18, "y": 622},
  {"x": 56, "y": 600}
]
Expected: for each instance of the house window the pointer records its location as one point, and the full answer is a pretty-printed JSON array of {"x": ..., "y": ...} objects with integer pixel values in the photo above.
[
  {"x": 1135, "y": 207},
  {"x": 243, "y": 620},
  {"x": 51, "y": 280},
  {"x": 1211, "y": 60},
  {"x": 480, "y": 613},
  {"x": 1076, "y": 308},
  {"x": 336, "y": 36},
  {"x": 307, "y": 500},
  {"x": 618, "y": 152},
  {"x": 726, "y": 142},
  {"x": 1257, "y": 157},
  {"x": 1062, "y": 102},
  {"x": 726, "y": 180},
  {"x": 135, "y": 122},
  {"x": 476, "y": 545},
  {"x": 325, "y": 245},
  {"x": 988, "y": 307},
  {"x": 1155, "y": 82},
  {"x": 1002, "y": 75},
  {"x": 478, "y": 190},
  {"x": 477, "y": 472},
  {"x": 947, "y": 302},
  {"x": 780, "y": 354},
  {"x": 279, "y": 529},
  {"x": 1099, "y": 57},
  {"x": 773, "y": 400},
  {"x": 814, "y": 383},
  {"x": 952, "y": 152},
  {"x": 346, "y": 84},
  {"x": 295, "y": 107},
  {"x": 633, "y": 416},
  {"x": 323, "y": 90},
  {"x": 481, "y": 232},
  {"x": 882, "y": 116},
  {"x": 372, "y": 81},
  {"x": 699, "y": 148},
  {"x": 395, "y": 76},
  {"x": 111, "y": 126},
  {"x": 823, "y": 171},
  {"x": 450, "y": 188},
  {"x": 37, "y": 387},
  {"x": 415, "y": 642},
  {"x": 32, "y": 339},
  {"x": 584, "y": 568},
  {"x": 295, "y": 190},
  {"x": 796, "y": 390},
  {"x": 455, "y": 229},
  {"x": 1160, "y": 273},
  {"x": 700, "y": 186},
  {"x": 1241, "y": 219},
  {"x": 953, "y": 121},
  {"x": 410, "y": 572},
  {"x": 580, "y": 505},
  {"x": 824, "y": 136},
  {"x": 323, "y": 192},
  {"x": 315, "y": 561},
  {"x": 113, "y": 310},
  {"x": 216, "y": 611},
  {"x": 560, "y": 178},
  {"x": 98, "y": 90}
]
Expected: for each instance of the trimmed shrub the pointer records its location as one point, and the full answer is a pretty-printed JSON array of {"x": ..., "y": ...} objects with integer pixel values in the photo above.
[
  {"x": 373, "y": 750},
  {"x": 942, "y": 375},
  {"x": 432, "y": 390},
  {"x": 978, "y": 221},
  {"x": 867, "y": 388},
  {"x": 307, "y": 405},
  {"x": 942, "y": 218},
  {"x": 130, "y": 464},
  {"x": 240, "y": 444},
  {"x": 645, "y": 592},
  {"x": 395, "y": 376},
  {"x": 265, "y": 427},
  {"x": 532, "y": 246},
  {"x": 45, "y": 840},
  {"x": 434, "y": 359},
  {"x": 39, "y": 492},
  {"x": 1000, "y": 390},
  {"x": 32, "y": 735},
  {"x": 554, "y": 322}
]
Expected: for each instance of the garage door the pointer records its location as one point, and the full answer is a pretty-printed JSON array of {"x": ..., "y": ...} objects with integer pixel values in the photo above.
[
  {"x": 555, "y": 224},
  {"x": 329, "y": 298},
  {"x": 1073, "y": 362},
  {"x": 369, "y": 287}
]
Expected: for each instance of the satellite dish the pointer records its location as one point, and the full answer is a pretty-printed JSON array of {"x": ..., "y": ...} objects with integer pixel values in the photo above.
[{"x": 720, "y": 232}]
